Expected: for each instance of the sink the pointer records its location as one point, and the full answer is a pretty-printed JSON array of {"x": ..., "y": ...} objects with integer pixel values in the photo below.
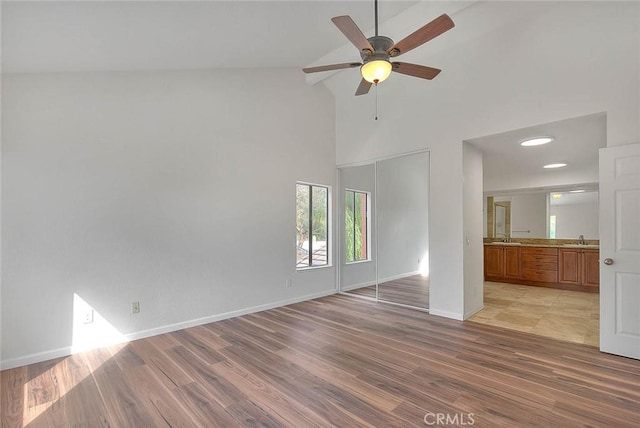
[
  {"x": 506, "y": 243},
  {"x": 580, "y": 246}
]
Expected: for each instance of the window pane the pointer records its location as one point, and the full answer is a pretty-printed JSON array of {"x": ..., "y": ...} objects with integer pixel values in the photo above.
[
  {"x": 356, "y": 224},
  {"x": 312, "y": 235},
  {"x": 360, "y": 226},
  {"x": 349, "y": 228},
  {"x": 319, "y": 225},
  {"x": 302, "y": 224}
]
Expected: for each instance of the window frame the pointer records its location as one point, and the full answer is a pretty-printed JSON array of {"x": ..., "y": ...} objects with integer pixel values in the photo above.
[
  {"x": 328, "y": 212},
  {"x": 367, "y": 225}
]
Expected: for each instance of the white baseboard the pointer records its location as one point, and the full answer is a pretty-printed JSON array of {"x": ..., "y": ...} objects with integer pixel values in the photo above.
[
  {"x": 446, "y": 314},
  {"x": 400, "y": 276},
  {"x": 66, "y": 351},
  {"x": 35, "y": 358},
  {"x": 473, "y": 312},
  {"x": 370, "y": 283},
  {"x": 356, "y": 286}
]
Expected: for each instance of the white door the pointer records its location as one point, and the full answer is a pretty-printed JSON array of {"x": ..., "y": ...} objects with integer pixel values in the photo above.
[{"x": 620, "y": 250}]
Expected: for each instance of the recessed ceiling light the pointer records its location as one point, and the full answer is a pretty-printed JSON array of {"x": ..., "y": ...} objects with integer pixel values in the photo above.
[
  {"x": 555, "y": 165},
  {"x": 577, "y": 191},
  {"x": 538, "y": 141}
]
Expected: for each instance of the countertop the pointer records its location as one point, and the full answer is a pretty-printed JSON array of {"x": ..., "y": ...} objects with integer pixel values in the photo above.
[{"x": 519, "y": 244}]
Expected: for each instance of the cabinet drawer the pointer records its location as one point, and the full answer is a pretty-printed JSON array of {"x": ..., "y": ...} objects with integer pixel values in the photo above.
[
  {"x": 540, "y": 275},
  {"x": 540, "y": 265},
  {"x": 539, "y": 252}
]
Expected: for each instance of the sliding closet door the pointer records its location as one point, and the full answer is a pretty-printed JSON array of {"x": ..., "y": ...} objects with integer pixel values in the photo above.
[
  {"x": 402, "y": 209},
  {"x": 356, "y": 223}
]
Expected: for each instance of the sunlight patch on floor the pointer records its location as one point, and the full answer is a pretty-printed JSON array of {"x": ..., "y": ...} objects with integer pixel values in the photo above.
[{"x": 90, "y": 330}]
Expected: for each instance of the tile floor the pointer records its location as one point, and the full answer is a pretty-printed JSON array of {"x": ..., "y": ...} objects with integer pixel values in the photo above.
[{"x": 572, "y": 316}]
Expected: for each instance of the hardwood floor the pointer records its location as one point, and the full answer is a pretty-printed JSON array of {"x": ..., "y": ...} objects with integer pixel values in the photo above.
[
  {"x": 335, "y": 361},
  {"x": 412, "y": 290}
]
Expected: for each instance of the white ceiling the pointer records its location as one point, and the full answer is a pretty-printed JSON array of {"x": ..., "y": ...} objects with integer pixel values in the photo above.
[
  {"x": 75, "y": 36},
  {"x": 72, "y": 36},
  {"x": 577, "y": 142}
]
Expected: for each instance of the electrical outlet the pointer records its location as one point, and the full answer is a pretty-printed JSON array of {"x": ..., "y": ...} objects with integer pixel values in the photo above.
[
  {"x": 88, "y": 316},
  {"x": 135, "y": 307},
  {"x": 288, "y": 283}
]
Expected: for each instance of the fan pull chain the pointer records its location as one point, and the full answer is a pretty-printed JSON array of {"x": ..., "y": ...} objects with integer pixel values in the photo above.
[{"x": 376, "y": 101}]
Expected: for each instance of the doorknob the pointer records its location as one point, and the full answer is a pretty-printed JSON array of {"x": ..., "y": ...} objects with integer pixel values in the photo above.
[{"x": 608, "y": 261}]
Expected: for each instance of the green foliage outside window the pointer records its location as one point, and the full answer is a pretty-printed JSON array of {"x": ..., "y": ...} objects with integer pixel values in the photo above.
[{"x": 355, "y": 226}]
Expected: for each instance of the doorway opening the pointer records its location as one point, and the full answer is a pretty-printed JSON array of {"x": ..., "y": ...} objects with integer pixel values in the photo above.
[{"x": 541, "y": 229}]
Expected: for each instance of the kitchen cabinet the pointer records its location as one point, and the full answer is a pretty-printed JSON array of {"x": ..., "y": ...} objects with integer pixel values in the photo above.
[{"x": 579, "y": 267}]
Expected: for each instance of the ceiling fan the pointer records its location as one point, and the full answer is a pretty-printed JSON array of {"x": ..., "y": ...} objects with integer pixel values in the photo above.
[{"x": 376, "y": 51}]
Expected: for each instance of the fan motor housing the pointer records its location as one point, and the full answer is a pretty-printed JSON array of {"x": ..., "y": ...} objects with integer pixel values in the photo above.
[{"x": 381, "y": 45}]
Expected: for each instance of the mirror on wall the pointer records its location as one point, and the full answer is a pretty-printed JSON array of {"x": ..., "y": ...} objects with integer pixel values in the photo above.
[
  {"x": 546, "y": 214},
  {"x": 383, "y": 216},
  {"x": 499, "y": 218},
  {"x": 573, "y": 213}
]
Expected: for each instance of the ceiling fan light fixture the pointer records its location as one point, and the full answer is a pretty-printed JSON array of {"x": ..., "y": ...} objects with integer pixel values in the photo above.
[{"x": 376, "y": 71}]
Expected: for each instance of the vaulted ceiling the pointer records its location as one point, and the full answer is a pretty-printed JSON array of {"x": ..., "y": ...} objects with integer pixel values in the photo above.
[{"x": 75, "y": 36}]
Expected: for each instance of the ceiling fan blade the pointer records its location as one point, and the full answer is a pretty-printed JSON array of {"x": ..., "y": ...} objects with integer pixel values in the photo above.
[
  {"x": 422, "y": 35},
  {"x": 352, "y": 32},
  {"x": 331, "y": 67},
  {"x": 415, "y": 70},
  {"x": 363, "y": 87}
]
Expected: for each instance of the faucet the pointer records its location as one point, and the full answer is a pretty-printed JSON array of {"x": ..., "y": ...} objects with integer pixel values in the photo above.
[
  {"x": 581, "y": 240},
  {"x": 506, "y": 239}
]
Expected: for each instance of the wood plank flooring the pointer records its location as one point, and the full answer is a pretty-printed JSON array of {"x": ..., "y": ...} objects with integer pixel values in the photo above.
[
  {"x": 336, "y": 361},
  {"x": 412, "y": 290}
]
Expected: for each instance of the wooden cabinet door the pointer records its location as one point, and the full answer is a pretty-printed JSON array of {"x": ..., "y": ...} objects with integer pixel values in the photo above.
[
  {"x": 512, "y": 262},
  {"x": 569, "y": 269},
  {"x": 591, "y": 268},
  {"x": 493, "y": 262}
]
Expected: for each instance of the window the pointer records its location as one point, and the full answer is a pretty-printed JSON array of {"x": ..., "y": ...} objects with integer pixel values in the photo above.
[
  {"x": 312, "y": 224},
  {"x": 356, "y": 226},
  {"x": 552, "y": 227}
]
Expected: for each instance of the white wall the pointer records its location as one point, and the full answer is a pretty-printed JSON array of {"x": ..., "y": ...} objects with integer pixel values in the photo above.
[
  {"x": 1, "y": 127},
  {"x": 402, "y": 215},
  {"x": 575, "y": 220},
  {"x": 174, "y": 189},
  {"x": 473, "y": 244},
  {"x": 356, "y": 275},
  {"x": 506, "y": 65}
]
